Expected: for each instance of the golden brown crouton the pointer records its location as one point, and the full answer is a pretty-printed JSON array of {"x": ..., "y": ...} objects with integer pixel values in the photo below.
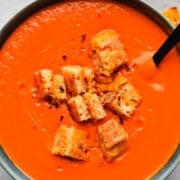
[
  {"x": 126, "y": 101},
  {"x": 78, "y": 108},
  {"x": 173, "y": 15},
  {"x": 112, "y": 138},
  {"x": 89, "y": 75},
  {"x": 103, "y": 79},
  {"x": 94, "y": 106},
  {"x": 43, "y": 82},
  {"x": 108, "y": 52},
  {"x": 113, "y": 86},
  {"x": 107, "y": 97},
  {"x": 74, "y": 79},
  {"x": 78, "y": 79},
  {"x": 70, "y": 142},
  {"x": 58, "y": 89}
]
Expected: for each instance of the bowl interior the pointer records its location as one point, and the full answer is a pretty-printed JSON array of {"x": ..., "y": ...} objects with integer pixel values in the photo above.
[{"x": 16, "y": 21}]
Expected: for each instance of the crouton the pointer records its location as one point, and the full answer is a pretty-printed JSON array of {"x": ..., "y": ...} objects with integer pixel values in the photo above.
[
  {"x": 94, "y": 106},
  {"x": 103, "y": 79},
  {"x": 89, "y": 75},
  {"x": 126, "y": 101},
  {"x": 78, "y": 108},
  {"x": 112, "y": 86},
  {"x": 74, "y": 79},
  {"x": 108, "y": 52},
  {"x": 70, "y": 142},
  {"x": 78, "y": 79},
  {"x": 107, "y": 97},
  {"x": 58, "y": 89},
  {"x": 43, "y": 82},
  {"x": 173, "y": 15},
  {"x": 112, "y": 138}
]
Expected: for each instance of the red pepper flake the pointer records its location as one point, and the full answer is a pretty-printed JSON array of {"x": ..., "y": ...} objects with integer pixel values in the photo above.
[
  {"x": 83, "y": 38},
  {"x": 99, "y": 15},
  {"x": 61, "y": 118},
  {"x": 50, "y": 107},
  {"x": 34, "y": 127},
  {"x": 61, "y": 89},
  {"x": 121, "y": 120},
  {"x": 64, "y": 57}
]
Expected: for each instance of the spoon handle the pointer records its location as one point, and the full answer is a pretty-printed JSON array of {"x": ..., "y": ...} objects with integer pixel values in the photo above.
[{"x": 167, "y": 45}]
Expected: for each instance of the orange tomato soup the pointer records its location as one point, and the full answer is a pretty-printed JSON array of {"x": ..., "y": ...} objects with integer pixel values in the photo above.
[{"x": 28, "y": 127}]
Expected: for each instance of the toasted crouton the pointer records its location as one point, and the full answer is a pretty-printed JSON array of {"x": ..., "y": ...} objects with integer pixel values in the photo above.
[
  {"x": 78, "y": 79},
  {"x": 126, "y": 101},
  {"x": 70, "y": 142},
  {"x": 58, "y": 89},
  {"x": 104, "y": 79},
  {"x": 43, "y": 82},
  {"x": 78, "y": 108},
  {"x": 173, "y": 15},
  {"x": 108, "y": 52},
  {"x": 112, "y": 138},
  {"x": 74, "y": 79},
  {"x": 89, "y": 75},
  {"x": 107, "y": 97},
  {"x": 112, "y": 86},
  {"x": 95, "y": 107}
]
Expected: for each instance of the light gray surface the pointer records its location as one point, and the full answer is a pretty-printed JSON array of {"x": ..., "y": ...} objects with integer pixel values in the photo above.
[{"x": 9, "y": 7}]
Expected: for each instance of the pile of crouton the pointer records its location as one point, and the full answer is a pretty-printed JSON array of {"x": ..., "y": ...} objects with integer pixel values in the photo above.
[{"x": 88, "y": 92}]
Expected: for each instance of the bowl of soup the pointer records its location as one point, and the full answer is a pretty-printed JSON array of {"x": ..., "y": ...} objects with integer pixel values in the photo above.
[{"x": 80, "y": 95}]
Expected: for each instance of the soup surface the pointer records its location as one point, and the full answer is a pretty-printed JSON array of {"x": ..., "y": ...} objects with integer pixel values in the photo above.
[{"x": 65, "y": 30}]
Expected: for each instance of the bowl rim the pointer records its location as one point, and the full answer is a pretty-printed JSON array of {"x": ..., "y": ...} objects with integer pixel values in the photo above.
[{"x": 5, "y": 162}]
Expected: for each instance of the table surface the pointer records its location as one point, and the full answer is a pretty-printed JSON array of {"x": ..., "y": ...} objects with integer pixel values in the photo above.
[{"x": 10, "y": 7}]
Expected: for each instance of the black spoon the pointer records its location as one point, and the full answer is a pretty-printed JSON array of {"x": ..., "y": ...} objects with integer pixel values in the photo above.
[{"x": 170, "y": 42}]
